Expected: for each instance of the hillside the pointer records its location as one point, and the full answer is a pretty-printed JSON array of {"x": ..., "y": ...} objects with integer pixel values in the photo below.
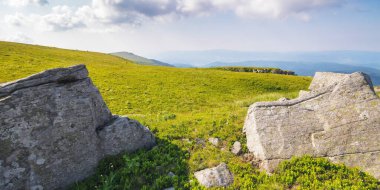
[
  {"x": 306, "y": 68},
  {"x": 183, "y": 107},
  {"x": 140, "y": 60}
]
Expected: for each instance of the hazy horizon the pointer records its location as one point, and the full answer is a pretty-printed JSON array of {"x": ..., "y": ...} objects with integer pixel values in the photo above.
[{"x": 151, "y": 27}]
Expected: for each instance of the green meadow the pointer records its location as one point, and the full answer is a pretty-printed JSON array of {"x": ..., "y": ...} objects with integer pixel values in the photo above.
[{"x": 183, "y": 107}]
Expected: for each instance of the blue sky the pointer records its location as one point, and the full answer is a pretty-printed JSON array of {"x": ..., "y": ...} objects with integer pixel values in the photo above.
[{"x": 148, "y": 27}]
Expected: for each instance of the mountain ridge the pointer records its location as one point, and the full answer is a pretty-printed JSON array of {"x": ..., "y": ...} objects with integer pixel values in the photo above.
[
  {"x": 140, "y": 60},
  {"x": 200, "y": 58}
]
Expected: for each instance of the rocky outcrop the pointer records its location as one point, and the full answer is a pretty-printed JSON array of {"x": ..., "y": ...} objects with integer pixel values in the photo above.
[
  {"x": 338, "y": 119},
  {"x": 218, "y": 176},
  {"x": 55, "y": 127}
]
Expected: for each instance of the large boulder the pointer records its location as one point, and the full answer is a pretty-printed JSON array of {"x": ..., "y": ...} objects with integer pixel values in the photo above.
[
  {"x": 55, "y": 127},
  {"x": 338, "y": 119}
]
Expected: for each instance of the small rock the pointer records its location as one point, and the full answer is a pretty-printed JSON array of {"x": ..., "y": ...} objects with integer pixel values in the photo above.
[
  {"x": 248, "y": 157},
  {"x": 170, "y": 188},
  {"x": 171, "y": 174},
  {"x": 283, "y": 99},
  {"x": 218, "y": 176},
  {"x": 236, "y": 148},
  {"x": 200, "y": 141},
  {"x": 214, "y": 141}
]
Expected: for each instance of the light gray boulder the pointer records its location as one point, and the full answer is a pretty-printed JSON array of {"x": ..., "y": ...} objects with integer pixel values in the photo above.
[
  {"x": 218, "y": 176},
  {"x": 338, "y": 119},
  {"x": 55, "y": 128}
]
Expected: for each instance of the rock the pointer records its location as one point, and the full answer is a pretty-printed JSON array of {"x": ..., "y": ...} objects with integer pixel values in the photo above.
[
  {"x": 55, "y": 128},
  {"x": 338, "y": 119},
  {"x": 236, "y": 148},
  {"x": 248, "y": 157},
  {"x": 218, "y": 176},
  {"x": 170, "y": 188},
  {"x": 171, "y": 174},
  {"x": 214, "y": 141},
  {"x": 124, "y": 134},
  {"x": 283, "y": 99},
  {"x": 200, "y": 141}
]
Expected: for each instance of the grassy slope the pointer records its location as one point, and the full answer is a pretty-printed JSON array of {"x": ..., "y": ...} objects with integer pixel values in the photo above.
[{"x": 182, "y": 106}]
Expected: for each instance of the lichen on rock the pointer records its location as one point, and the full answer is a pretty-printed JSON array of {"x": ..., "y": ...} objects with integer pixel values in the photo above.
[
  {"x": 339, "y": 118},
  {"x": 55, "y": 128}
]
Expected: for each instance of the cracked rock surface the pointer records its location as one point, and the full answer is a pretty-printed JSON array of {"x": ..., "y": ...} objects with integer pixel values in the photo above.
[
  {"x": 55, "y": 128},
  {"x": 339, "y": 118}
]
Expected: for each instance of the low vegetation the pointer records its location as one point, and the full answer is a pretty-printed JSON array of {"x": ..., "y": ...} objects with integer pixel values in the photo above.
[
  {"x": 183, "y": 107},
  {"x": 256, "y": 70}
]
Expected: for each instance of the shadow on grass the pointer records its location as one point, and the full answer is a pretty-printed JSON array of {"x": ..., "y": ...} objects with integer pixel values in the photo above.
[{"x": 164, "y": 166}]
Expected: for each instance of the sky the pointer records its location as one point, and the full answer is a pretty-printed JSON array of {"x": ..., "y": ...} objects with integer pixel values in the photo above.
[{"x": 150, "y": 27}]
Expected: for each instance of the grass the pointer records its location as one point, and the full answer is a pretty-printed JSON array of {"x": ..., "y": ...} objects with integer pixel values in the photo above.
[
  {"x": 183, "y": 107},
  {"x": 377, "y": 90}
]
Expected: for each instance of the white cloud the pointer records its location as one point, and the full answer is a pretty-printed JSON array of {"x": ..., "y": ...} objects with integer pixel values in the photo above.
[
  {"x": 20, "y": 37},
  {"x": 275, "y": 9},
  {"x": 17, "y": 19},
  {"x": 20, "y": 3},
  {"x": 283, "y": 8},
  {"x": 61, "y": 18},
  {"x": 117, "y": 13}
]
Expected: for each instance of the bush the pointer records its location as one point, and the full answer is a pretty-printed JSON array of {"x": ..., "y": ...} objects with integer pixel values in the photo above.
[{"x": 319, "y": 173}]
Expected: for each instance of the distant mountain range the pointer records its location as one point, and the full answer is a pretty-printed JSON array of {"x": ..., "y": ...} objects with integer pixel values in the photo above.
[
  {"x": 303, "y": 63},
  {"x": 306, "y": 68},
  {"x": 201, "y": 58},
  {"x": 140, "y": 60}
]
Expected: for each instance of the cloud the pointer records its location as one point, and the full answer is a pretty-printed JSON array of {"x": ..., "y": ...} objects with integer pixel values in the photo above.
[
  {"x": 283, "y": 8},
  {"x": 60, "y": 19},
  {"x": 20, "y": 37},
  {"x": 274, "y": 9},
  {"x": 128, "y": 11},
  {"x": 20, "y": 3},
  {"x": 118, "y": 13},
  {"x": 17, "y": 19}
]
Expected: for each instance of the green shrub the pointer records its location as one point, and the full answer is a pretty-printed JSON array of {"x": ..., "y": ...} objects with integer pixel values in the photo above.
[{"x": 319, "y": 173}]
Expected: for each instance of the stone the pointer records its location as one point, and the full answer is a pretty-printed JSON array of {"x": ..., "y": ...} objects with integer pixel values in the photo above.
[
  {"x": 283, "y": 99},
  {"x": 200, "y": 141},
  {"x": 338, "y": 119},
  {"x": 218, "y": 176},
  {"x": 214, "y": 141},
  {"x": 236, "y": 148},
  {"x": 171, "y": 174},
  {"x": 55, "y": 128}
]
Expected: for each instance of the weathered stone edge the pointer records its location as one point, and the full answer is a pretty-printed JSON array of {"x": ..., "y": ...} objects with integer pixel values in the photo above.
[
  {"x": 69, "y": 74},
  {"x": 310, "y": 95}
]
